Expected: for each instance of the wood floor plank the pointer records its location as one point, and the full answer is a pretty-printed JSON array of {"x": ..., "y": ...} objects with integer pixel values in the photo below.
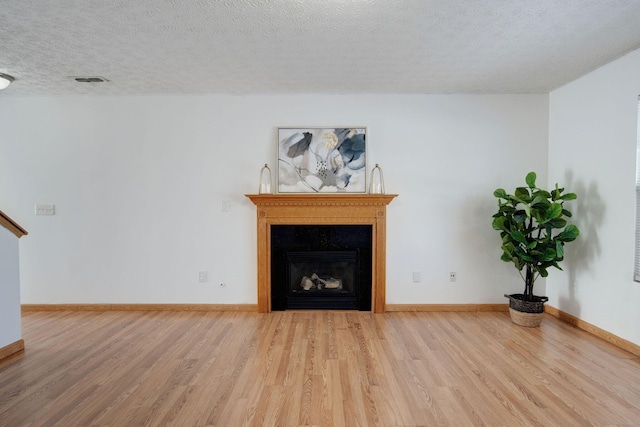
[{"x": 305, "y": 368}]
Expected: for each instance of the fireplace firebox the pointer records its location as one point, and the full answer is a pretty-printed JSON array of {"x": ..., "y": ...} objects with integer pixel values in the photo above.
[
  {"x": 322, "y": 279},
  {"x": 321, "y": 267}
]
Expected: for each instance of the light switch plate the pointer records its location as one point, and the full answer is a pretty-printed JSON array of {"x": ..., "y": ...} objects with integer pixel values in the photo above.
[
  {"x": 202, "y": 276},
  {"x": 45, "y": 209}
]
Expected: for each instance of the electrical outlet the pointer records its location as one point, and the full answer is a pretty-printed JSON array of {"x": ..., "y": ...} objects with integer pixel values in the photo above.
[
  {"x": 452, "y": 276},
  {"x": 45, "y": 209},
  {"x": 416, "y": 277},
  {"x": 202, "y": 276}
]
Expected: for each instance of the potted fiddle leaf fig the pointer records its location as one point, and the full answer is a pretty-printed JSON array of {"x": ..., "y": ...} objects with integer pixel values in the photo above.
[{"x": 533, "y": 226}]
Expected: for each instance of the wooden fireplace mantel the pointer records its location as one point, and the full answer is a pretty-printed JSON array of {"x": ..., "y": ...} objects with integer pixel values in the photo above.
[{"x": 322, "y": 209}]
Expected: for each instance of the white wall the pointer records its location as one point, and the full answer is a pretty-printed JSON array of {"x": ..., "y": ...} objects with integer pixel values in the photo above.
[
  {"x": 138, "y": 184},
  {"x": 592, "y": 151},
  {"x": 11, "y": 330}
]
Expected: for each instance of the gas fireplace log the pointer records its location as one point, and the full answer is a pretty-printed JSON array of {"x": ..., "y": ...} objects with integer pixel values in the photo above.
[{"x": 315, "y": 282}]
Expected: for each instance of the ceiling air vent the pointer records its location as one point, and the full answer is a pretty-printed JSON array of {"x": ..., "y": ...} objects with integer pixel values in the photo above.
[{"x": 90, "y": 79}]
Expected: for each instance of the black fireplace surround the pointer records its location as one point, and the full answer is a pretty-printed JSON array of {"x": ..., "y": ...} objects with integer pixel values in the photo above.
[{"x": 321, "y": 267}]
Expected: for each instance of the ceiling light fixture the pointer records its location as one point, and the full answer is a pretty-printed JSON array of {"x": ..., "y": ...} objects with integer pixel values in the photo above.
[{"x": 5, "y": 80}]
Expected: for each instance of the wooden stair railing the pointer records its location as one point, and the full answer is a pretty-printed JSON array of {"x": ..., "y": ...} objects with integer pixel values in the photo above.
[
  {"x": 11, "y": 225},
  {"x": 15, "y": 347}
]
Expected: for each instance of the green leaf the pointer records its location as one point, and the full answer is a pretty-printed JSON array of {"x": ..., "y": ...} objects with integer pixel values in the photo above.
[
  {"x": 536, "y": 214},
  {"x": 518, "y": 263},
  {"x": 557, "y": 193},
  {"x": 549, "y": 254},
  {"x": 542, "y": 193},
  {"x": 559, "y": 249},
  {"x": 506, "y": 209},
  {"x": 500, "y": 193},
  {"x": 518, "y": 236},
  {"x": 509, "y": 248},
  {"x": 526, "y": 257},
  {"x": 569, "y": 196},
  {"x": 569, "y": 234},
  {"x": 539, "y": 199},
  {"x": 554, "y": 211},
  {"x": 522, "y": 195},
  {"x": 506, "y": 257},
  {"x": 567, "y": 213},
  {"x": 520, "y": 216},
  {"x": 557, "y": 222},
  {"x": 536, "y": 254},
  {"x": 531, "y": 179},
  {"x": 498, "y": 223}
]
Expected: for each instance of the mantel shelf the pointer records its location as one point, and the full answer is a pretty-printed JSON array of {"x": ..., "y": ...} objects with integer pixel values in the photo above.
[{"x": 321, "y": 199}]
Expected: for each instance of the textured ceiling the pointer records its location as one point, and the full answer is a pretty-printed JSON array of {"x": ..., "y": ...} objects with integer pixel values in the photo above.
[{"x": 309, "y": 46}]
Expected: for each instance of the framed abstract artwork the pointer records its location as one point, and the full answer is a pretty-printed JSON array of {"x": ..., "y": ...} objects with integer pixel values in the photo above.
[{"x": 317, "y": 160}]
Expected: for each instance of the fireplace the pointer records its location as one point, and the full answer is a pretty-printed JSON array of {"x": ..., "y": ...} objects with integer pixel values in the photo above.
[
  {"x": 321, "y": 267},
  {"x": 275, "y": 210}
]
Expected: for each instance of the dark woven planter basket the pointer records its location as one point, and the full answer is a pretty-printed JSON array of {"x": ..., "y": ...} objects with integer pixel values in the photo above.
[{"x": 517, "y": 303}]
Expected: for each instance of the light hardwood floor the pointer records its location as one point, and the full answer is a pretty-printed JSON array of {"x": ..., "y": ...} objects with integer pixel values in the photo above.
[{"x": 318, "y": 368}]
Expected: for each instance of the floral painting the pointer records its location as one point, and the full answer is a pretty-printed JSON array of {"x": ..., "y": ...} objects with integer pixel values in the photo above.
[{"x": 331, "y": 160}]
